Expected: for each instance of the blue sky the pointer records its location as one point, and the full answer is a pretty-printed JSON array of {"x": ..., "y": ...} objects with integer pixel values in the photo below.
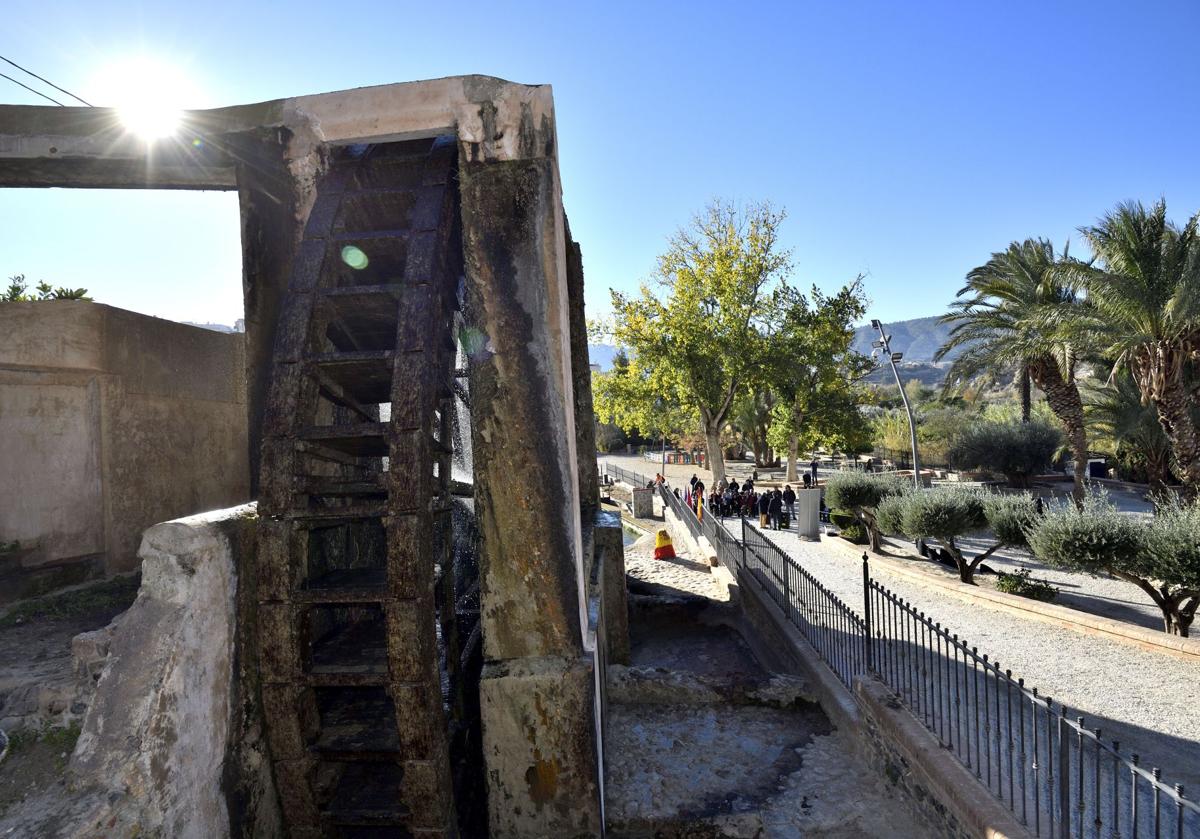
[{"x": 907, "y": 140}]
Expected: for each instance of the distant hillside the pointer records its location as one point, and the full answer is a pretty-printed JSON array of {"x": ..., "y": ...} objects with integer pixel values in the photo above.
[
  {"x": 918, "y": 339},
  {"x": 602, "y": 354}
]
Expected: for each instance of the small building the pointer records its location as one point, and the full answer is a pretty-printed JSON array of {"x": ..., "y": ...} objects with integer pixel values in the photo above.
[{"x": 110, "y": 421}]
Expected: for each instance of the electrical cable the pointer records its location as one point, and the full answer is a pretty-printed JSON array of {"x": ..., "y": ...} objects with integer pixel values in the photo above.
[
  {"x": 31, "y": 90},
  {"x": 47, "y": 81}
]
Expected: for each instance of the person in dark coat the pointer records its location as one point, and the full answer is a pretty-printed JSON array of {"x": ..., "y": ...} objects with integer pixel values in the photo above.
[
  {"x": 733, "y": 485},
  {"x": 789, "y": 500},
  {"x": 813, "y": 466},
  {"x": 764, "y": 508},
  {"x": 693, "y": 481},
  {"x": 775, "y": 508}
]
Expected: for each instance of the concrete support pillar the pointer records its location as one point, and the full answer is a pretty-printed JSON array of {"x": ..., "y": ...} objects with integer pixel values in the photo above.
[
  {"x": 581, "y": 373},
  {"x": 537, "y": 694}
]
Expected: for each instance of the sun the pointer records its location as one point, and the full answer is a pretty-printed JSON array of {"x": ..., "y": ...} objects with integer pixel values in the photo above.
[{"x": 149, "y": 95}]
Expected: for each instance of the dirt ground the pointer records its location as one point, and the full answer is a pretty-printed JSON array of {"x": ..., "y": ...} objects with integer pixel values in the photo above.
[
  {"x": 35, "y": 763},
  {"x": 39, "y": 702}
]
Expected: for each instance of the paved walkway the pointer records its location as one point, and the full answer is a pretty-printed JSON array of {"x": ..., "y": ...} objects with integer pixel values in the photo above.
[{"x": 1148, "y": 701}]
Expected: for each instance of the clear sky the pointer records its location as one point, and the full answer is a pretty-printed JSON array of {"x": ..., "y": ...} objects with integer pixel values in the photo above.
[{"x": 907, "y": 140}]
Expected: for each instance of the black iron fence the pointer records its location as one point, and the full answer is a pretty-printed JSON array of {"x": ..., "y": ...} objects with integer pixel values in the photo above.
[
  {"x": 624, "y": 475},
  {"x": 1057, "y": 775}
]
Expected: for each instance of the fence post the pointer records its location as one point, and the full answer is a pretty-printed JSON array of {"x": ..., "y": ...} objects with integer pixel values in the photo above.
[
  {"x": 869, "y": 644},
  {"x": 1064, "y": 776},
  {"x": 743, "y": 541}
]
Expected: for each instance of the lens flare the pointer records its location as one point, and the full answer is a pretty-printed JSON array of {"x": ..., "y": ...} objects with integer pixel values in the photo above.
[{"x": 354, "y": 257}]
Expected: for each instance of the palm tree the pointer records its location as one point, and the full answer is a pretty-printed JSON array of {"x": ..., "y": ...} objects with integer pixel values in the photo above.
[
  {"x": 1007, "y": 319},
  {"x": 1144, "y": 288},
  {"x": 1116, "y": 413}
]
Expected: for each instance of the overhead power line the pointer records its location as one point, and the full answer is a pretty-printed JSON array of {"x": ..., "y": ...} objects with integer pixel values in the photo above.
[
  {"x": 31, "y": 90},
  {"x": 47, "y": 81}
]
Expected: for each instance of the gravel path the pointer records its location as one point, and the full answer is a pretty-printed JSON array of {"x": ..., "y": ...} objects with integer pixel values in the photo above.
[
  {"x": 1102, "y": 596},
  {"x": 1096, "y": 595},
  {"x": 1149, "y": 701}
]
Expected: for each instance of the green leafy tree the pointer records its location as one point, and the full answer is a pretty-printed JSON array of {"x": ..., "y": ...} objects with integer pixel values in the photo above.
[
  {"x": 1162, "y": 559},
  {"x": 891, "y": 435},
  {"x": 751, "y": 415},
  {"x": 816, "y": 372},
  {"x": 945, "y": 514},
  {"x": 1008, "y": 319},
  {"x": 705, "y": 339},
  {"x": 627, "y": 398},
  {"x": 1144, "y": 294},
  {"x": 860, "y": 494},
  {"x": 18, "y": 292},
  {"x": 1018, "y": 451}
]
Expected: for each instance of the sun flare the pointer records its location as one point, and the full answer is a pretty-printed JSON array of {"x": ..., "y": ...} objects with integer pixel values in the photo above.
[{"x": 149, "y": 95}]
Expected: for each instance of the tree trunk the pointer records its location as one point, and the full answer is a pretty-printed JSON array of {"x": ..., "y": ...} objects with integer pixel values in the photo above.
[
  {"x": 1063, "y": 397},
  {"x": 793, "y": 458},
  {"x": 966, "y": 570},
  {"x": 716, "y": 458},
  {"x": 1026, "y": 394},
  {"x": 1175, "y": 417},
  {"x": 1158, "y": 469}
]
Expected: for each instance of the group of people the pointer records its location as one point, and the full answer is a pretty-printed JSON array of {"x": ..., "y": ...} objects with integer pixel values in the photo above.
[{"x": 775, "y": 508}]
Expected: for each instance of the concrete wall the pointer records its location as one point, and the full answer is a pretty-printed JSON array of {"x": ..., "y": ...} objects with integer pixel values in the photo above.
[
  {"x": 172, "y": 743},
  {"x": 110, "y": 421}
]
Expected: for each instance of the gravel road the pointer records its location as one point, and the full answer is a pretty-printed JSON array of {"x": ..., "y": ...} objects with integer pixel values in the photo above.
[{"x": 1149, "y": 701}]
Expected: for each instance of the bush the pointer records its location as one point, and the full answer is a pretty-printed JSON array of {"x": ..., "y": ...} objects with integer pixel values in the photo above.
[
  {"x": 854, "y": 533},
  {"x": 1014, "y": 449},
  {"x": 889, "y": 515},
  {"x": 1010, "y": 517},
  {"x": 1161, "y": 558},
  {"x": 1020, "y": 583},
  {"x": 842, "y": 519},
  {"x": 857, "y": 490},
  {"x": 946, "y": 513},
  {"x": 1093, "y": 538},
  {"x": 860, "y": 493},
  {"x": 943, "y": 513}
]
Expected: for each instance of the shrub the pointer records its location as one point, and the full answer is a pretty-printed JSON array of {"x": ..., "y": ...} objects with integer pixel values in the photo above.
[
  {"x": 842, "y": 519},
  {"x": 854, "y": 533},
  {"x": 1014, "y": 449},
  {"x": 1161, "y": 558},
  {"x": 944, "y": 514},
  {"x": 1010, "y": 516},
  {"x": 1093, "y": 537},
  {"x": 889, "y": 515},
  {"x": 860, "y": 493},
  {"x": 1020, "y": 583}
]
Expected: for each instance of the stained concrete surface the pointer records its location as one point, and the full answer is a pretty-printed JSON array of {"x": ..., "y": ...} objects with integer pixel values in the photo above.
[{"x": 703, "y": 741}]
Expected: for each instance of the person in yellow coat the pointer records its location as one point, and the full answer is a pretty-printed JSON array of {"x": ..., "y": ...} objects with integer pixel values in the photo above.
[{"x": 663, "y": 549}]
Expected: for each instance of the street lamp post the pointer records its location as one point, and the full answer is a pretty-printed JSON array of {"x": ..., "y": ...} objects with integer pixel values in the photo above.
[{"x": 884, "y": 345}]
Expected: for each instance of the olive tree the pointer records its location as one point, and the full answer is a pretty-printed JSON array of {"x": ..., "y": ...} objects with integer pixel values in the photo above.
[
  {"x": 945, "y": 514},
  {"x": 1017, "y": 450},
  {"x": 1161, "y": 558},
  {"x": 860, "y": 494}
]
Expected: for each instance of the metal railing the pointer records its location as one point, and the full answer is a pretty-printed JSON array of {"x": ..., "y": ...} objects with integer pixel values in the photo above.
[
  {"x": 833, "y": 629},
  {"x": 1058, "y": 776},
  {"x": 624, "y": 475}
]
